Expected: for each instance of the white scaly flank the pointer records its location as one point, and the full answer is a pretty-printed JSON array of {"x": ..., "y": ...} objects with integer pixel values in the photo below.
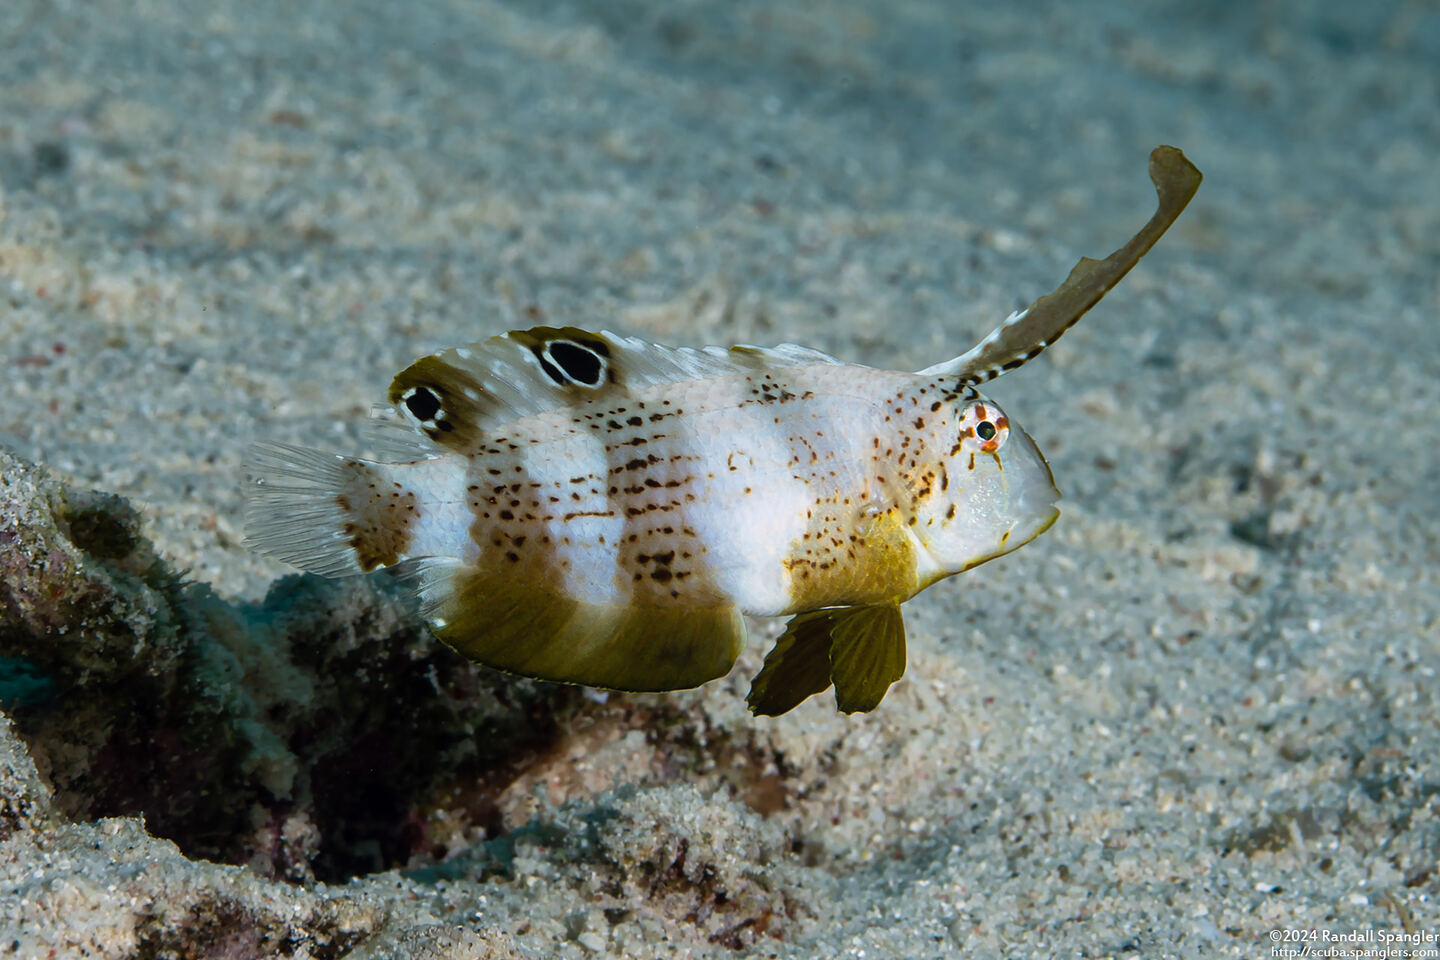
[{"x": 723, "y": 476}]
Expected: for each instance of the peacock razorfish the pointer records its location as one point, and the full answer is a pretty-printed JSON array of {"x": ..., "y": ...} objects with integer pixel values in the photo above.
[{"x": 595, "y": 509}]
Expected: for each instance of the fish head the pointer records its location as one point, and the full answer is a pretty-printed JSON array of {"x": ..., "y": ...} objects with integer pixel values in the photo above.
[{"x": 993, "y": 492}]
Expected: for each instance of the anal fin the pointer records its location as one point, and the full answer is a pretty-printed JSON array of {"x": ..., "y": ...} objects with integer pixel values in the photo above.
[
  {"x": 526, "y": 626},
  {"x": 860, "y": 649}
]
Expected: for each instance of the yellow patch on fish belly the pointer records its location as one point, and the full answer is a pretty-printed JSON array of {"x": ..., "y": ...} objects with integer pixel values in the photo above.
[
  {"x": 526, "y": 625},
  {"x": 840, "y": 562}
]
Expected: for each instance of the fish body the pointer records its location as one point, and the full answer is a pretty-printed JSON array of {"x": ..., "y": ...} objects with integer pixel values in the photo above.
[{"x": 585, "y": 507}]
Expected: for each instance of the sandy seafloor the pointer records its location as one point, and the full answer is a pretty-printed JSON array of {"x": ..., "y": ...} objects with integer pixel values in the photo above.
[{"x": 1201, "y": 709}]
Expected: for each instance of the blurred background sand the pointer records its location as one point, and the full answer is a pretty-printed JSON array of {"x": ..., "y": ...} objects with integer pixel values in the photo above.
[{"x": 1199, "y": 709}]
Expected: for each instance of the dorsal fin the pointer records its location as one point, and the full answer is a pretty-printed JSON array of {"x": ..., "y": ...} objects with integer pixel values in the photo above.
[
  {"x": 456, "y": 396},
  {"x": 1027, "y": 332}
]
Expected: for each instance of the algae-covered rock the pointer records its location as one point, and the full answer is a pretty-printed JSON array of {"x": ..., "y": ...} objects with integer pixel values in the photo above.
[
  {"x": 82, "y": 594},
  {"x": 25, "y": 800},
  {"x": 305, "y": 735}
]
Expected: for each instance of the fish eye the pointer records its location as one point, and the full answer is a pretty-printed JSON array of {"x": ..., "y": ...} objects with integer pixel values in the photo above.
[{"x": 983, "y": 427}]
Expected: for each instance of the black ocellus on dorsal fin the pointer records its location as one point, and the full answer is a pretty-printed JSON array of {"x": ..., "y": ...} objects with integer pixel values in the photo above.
[{"x": 460, "y": 396}]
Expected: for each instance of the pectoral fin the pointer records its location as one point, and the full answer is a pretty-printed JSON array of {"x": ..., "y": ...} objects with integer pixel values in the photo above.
[
  {"x": 861, "y": 649},
  {"x": 867, "y": 655},
  {"x": 797, "y": 667}
]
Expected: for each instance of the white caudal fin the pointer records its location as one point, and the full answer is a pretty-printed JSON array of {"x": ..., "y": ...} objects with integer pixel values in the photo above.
[{"x": 293, "y": 507}]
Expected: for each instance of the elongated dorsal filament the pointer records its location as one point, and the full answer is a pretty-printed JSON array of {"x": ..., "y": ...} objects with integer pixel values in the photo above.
[{"x": 1026, "y": 332}]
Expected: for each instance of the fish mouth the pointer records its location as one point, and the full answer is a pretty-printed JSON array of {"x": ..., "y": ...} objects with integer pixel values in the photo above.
[
  {"x": 1026, "y": 530},
  {"x": 1035, "y": 497},
  {"x": 1019, "y": 534}
]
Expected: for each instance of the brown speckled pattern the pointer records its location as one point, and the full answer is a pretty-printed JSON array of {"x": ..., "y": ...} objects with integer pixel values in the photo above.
[
  {"x": 382, "y": 513},
  {"x": 625, "y": 480}
]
